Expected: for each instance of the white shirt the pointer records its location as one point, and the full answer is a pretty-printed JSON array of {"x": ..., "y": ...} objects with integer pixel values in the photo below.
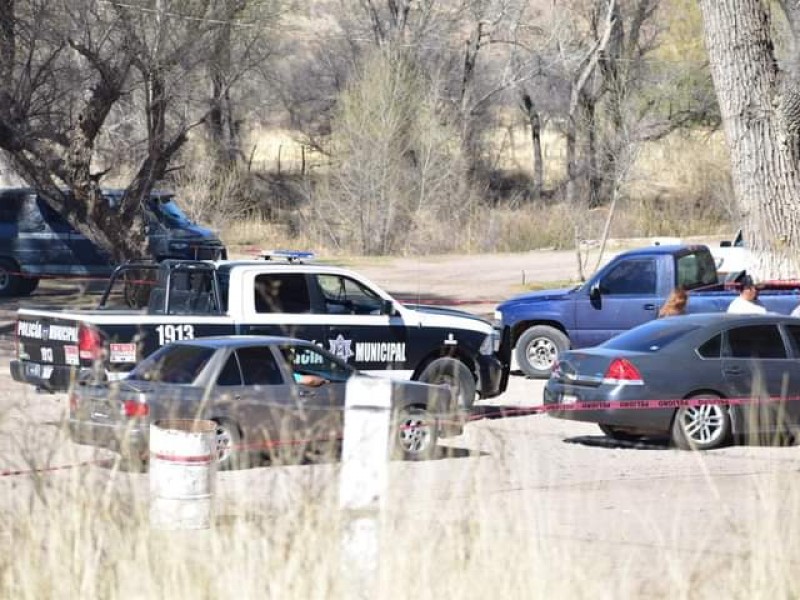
[{"x": 740, "y": 306}]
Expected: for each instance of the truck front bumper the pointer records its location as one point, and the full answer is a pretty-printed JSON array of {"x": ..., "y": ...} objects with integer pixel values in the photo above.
[
  {"x": 493, "y": 371},
  {"x": 492, "y": 376}
]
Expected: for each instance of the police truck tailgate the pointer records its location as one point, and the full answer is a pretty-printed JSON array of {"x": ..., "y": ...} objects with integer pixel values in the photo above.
[
  {"x": 48, "y": 348},
  {"x": 53, "y": 347}
]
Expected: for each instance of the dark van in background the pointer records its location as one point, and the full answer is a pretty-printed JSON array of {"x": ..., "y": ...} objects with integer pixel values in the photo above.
[{"x": 36, "y": 241}]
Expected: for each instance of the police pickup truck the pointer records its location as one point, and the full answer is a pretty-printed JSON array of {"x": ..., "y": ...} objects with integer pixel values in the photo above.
[{"x": 332, "y": 307}]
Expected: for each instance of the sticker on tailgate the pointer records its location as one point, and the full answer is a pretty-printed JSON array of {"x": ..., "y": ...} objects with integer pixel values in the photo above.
[
  {"x": 71, "y": 355},
  {"x": 122, "y": 353}
]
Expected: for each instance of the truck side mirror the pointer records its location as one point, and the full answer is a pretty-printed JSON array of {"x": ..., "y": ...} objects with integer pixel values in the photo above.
[
  {"x": 387, "y": 307},
  {"x": 594, "y": 292}
]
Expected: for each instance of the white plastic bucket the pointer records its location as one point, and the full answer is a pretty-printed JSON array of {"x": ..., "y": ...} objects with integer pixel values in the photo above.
[{"x": 183, "y": 466}]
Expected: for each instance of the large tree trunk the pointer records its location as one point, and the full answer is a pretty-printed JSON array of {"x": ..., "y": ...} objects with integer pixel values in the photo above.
[
  {"x": 536, "y": 145},
  {"x": 763, "y": 163}
]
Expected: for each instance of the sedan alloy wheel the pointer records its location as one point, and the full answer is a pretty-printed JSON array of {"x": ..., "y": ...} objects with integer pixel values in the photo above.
[
  {"x": 230, "y": 455},
  {"x": 415, "y": 434},
  {"x": 701, "y": 427}
]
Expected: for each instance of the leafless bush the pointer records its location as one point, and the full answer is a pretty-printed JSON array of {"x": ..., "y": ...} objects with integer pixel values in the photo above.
[
  {"x": 397, "y": 166},
  {"x": 213, "y": 197}
]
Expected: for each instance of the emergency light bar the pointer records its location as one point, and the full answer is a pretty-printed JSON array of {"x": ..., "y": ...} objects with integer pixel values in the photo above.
[{"x": 291, "y": 256}]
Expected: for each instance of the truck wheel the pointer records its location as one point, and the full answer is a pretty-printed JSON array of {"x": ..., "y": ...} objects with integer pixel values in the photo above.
[
  {"x": 452, "y": 372},
  {"x": 9, "y": 279},
  {"x": 538, "y": 349}
]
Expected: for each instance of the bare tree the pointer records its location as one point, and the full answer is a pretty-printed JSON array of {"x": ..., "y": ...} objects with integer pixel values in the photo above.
[
  {"x": 759, "y": 102},
  {"x": 392, "y": 166},
  {"x": 71, "y": 68}
]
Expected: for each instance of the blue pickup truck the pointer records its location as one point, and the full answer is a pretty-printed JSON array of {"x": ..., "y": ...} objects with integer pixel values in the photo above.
[{"x": 628, "y": 291}]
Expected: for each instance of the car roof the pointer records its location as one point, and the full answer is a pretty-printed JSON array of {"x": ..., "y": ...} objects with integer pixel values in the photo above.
[
  {"x": 227, "y": 265},
  {"x": 703, "y": 319},
  {"x": 104, "y": 191},
  {"x": 237, "y": 341},
  {"x": 658, "y": 250}
]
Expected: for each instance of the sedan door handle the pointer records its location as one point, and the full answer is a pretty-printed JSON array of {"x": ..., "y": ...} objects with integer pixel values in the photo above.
[
  {"x": 649, "y": 306},
  {"x": 732, "y": 371}
]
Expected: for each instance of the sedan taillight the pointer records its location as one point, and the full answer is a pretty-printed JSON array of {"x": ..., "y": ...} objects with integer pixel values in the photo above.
[
  {"x": 622, "y": 371},
  {"x": 134, "y": 408}
]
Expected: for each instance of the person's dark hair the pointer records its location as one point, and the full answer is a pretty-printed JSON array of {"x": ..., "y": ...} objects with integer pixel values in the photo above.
[{"x": 745, "y": 281}]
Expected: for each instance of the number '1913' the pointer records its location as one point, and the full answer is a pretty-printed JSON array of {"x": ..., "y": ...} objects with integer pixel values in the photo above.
[{"x": 173, "y": 333}]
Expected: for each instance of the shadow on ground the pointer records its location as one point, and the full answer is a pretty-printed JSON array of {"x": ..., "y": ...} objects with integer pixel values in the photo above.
[
  {"x": 478, "y": 413},
  {"x": 601, "y": 441}
]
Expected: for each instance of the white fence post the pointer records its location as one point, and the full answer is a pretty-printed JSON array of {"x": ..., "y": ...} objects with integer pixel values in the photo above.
[{"x": 363, "y": 482}]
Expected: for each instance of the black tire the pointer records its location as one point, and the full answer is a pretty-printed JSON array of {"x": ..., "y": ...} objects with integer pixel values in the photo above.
[
  {"x": 619, "y": 433},
  {"x": 452, "y": 372},
  {"x": 414, "y": 434},
  {"x": 538, "y": 349},
  {"x": 230, "y": 454},
  {"x": 27, "y": 285},
  {"x": 9, "y": 278},
  {"x": 702, "y": 427}
]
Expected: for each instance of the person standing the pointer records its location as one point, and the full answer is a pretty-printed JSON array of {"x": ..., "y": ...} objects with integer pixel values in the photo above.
[{"x": 747, "y": 302}]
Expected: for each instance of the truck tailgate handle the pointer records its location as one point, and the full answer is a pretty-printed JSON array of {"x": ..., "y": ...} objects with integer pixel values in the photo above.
[{"x": 649, "y": 306}]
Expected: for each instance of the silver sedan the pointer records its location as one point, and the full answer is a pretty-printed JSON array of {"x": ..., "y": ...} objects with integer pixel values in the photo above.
[{"x": 272, "y": 396}]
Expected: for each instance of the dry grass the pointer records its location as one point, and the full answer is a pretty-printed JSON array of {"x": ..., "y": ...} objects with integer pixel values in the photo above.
[
  {"x": 522, "y": 516},
  {"x": 504, "y": 229},
  {"x": 678, "y": 187},
  {"x": 278, "y": 533}
]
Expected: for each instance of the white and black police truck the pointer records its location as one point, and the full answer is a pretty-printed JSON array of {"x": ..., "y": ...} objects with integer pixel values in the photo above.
[{"x": 332, "y": 307}]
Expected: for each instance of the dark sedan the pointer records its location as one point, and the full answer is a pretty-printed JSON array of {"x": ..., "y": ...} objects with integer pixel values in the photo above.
[
  {"x": 274, "y": 395},
  {"x": 753, "y": 361}
]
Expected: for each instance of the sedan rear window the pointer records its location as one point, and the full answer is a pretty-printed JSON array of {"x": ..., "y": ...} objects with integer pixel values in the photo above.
[
  {"x": 173, "y": 364},
  {"x": 652, "y": 336}
]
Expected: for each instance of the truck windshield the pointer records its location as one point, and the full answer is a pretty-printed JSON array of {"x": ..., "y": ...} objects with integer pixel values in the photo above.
[{"x": 168, "y": 212}]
